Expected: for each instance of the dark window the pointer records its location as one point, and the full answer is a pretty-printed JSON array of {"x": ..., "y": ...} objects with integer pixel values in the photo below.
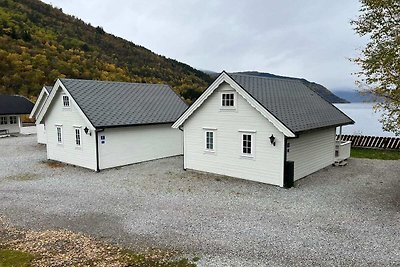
[
  {"x": 246, "y": 144},
  {"x": 3, "y": 120},
  {"x": 78, "y": 136},
  {"x": 65, "y": 100},
  {"x": 209, "y": 140},
  {"x": 228, "y": 99},
  {"x": 13, "y": 120}
]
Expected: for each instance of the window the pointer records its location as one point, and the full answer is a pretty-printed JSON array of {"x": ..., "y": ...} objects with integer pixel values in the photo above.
[
  {"x": 13, "y": 120},
  {"x": 228, "y": 100},
  {"x": 210, "y": 141},
  {"x": 102, "y": 139},
  {"x": 65, "y": 99},
  {"x": 59, "y": 134},
  {"x": 3, "y": 120},
  {"x": 248, "y": 144},
  {"x": 78, "y": 136}
]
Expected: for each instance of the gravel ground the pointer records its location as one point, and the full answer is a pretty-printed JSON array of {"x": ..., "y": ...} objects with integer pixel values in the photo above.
[{"x": 339, "y": 216}]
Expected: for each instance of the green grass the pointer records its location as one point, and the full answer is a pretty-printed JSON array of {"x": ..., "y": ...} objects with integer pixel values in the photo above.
[
  {"x": 158, "y": 259},
  {"x": 23, "y": 177},
  {"x": 14, "y": 258},
  {"x": 375, "y": 153}
]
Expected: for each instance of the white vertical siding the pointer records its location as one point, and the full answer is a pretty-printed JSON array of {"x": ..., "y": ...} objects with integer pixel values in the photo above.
[
  {"x": 267, "y": 164},
  {"x": 12, "y": 128},
  {"x": 85, "y": 155},
  {"x": 312, "y": 151},
  {"x": 129, "y": 145},
  {"x": 41, "y": 134}
]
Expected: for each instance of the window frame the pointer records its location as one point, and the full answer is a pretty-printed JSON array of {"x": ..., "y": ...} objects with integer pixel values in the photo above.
[
  {"x": 59, "y": 136},
  {"x": 3, "y": 120},
  {"x": 76, "y": 134},
  {"x": 66, "y": 99},
  {"x": 252, "y": 144},
  {"x": 13, "y": 120},
  {"x": 213, "y": 132},
  {"x": 233, "y": 107}
]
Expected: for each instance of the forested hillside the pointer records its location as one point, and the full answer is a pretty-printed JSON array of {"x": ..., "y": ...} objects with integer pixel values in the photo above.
[{"x": 39, "y": 43}]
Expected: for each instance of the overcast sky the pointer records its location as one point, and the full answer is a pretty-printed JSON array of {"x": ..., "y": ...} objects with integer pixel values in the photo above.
[{"x": 309, "y": 38}]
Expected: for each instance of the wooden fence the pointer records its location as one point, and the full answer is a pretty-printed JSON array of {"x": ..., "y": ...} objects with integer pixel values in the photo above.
[{"x": 372, "y": 141}]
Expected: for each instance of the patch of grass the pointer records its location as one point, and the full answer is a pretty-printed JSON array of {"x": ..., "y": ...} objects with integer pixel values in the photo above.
[
  {"x": 160, "y": 260},
  {"x": 53, "y": 164},
  {"x": 375, "y": 153},
  {"x": 23, "y": 177},
  {"x": 13, "y": 258}
]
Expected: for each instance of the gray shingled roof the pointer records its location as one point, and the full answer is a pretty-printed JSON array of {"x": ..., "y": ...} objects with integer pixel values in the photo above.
[
  {"x": 293, "y": 103},
  {"x": 15, "y": 105},
  {"x": 113, "y": 104}
]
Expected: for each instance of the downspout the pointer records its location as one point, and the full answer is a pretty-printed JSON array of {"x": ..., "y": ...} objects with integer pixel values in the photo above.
[
  {"x": 183, "y": 148},
  {"x": 97, "y": 131},
  {"x": 284, "y": 158}
]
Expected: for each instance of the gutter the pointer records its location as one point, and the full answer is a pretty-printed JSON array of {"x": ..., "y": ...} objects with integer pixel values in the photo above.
[{"x": 97, "y": 131}]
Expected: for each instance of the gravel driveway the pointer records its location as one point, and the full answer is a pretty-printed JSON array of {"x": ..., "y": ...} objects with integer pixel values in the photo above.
[{"x": 339, "y": 216}]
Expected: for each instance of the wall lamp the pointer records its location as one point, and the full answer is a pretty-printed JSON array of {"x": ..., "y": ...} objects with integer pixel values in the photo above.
[
  {"x": 87, "y": 131},
  {"x": 272, "y": 139}
]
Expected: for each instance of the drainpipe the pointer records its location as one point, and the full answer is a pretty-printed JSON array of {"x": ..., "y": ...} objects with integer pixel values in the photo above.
[
  {"x": 97, "y": 131},
  {"x": 183, "y": 147}
]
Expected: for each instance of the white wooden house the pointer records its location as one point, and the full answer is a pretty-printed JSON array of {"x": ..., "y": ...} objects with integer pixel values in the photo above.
[
  {"x": 100, "y": 125},
  {"x": 41, "y": 100},
  {"x": 11, "y": 109},
  {"x": 255, "y": 128}
]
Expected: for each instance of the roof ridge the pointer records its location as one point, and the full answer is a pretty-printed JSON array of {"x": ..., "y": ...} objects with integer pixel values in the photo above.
[
  {"x": 292, "y": 79},
  {"x": 112, "y": 82}
]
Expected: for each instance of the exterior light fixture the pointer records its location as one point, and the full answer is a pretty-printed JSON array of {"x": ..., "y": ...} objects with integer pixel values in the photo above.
[
  {"x": 87, "y": 131},
  {"x": 272, "y": 139}
]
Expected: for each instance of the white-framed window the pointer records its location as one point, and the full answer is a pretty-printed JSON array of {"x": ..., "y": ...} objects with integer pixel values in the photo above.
[
  {"x": 13, "y": 120},
  {"x": 247, "y": 145},
  {"x": 78, "y": 136},
  {"x": 228, "y": 100},
  {"x": 65, "y": 100},
  {"x": 3, "y": 120},
  {"x": 209, "y": 140},
  {"x": 59, "y": 134}
]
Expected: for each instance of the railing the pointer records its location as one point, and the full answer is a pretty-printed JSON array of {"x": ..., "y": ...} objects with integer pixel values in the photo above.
[
  {"x": 342, "y": 150},
  {"x": 372, "y": 141}
]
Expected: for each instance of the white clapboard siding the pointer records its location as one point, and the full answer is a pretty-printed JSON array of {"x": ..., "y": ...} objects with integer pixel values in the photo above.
[
  {"x": 267, "y": 164},
  {"x": 129, "y": 145},
  {"x": 41, "y": 134},
  {"x": 312, "y": 151},
  {"x": 68, "y": 152}
]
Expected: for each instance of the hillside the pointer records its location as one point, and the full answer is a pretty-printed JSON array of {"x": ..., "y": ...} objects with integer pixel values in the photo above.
[
  {"x": 39, "y": 43},
  {"x": 318, "y": 88}
]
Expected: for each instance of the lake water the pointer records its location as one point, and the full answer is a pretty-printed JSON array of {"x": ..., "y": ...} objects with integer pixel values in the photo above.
[{"x": 366, "y": 119}]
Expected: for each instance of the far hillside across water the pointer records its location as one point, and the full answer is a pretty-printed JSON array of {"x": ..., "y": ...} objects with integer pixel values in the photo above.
[{"x": 352, "y": 95}]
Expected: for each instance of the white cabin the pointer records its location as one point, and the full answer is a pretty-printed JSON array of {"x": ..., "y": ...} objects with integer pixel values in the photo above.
[
  {"x": 100, "y": 125},
  {"x": 11, "y": 109},
  {"x": 41, "y": 100},
  {"x": 255, "y": 128}
]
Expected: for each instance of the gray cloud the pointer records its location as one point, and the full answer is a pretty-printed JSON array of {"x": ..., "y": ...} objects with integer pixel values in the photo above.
[{"x": 308, "y": 38}]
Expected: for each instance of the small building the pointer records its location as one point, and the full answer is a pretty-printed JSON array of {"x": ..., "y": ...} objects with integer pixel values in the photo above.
[
  {"x": 11, "y": 109},
  {"x": 100, "y": 124},
  {"x": 40, "y": 129},
  {"x": 268, "y": 130}
]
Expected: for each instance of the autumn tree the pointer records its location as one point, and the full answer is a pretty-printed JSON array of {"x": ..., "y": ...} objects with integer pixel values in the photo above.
[{"x": 380, "y": 59}]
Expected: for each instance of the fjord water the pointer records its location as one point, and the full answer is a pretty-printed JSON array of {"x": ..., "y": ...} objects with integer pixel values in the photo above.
[{"x": 366, "y": 119}]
